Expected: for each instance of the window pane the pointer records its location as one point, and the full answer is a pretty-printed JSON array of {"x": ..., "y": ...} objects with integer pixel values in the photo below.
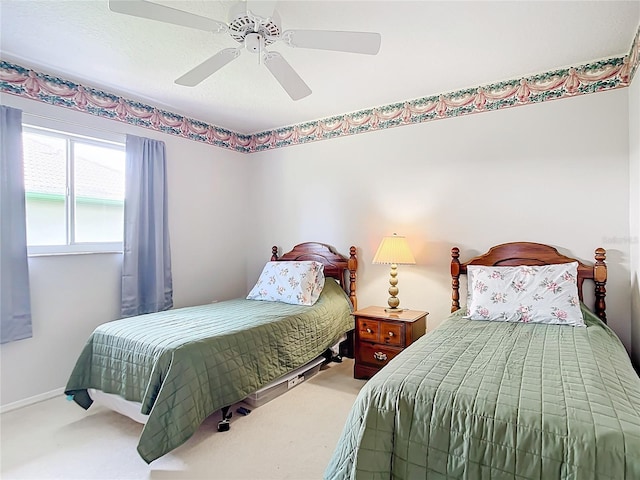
[
  {"x": 99, "y": 193},
  {"x": 45, "y": 179}
]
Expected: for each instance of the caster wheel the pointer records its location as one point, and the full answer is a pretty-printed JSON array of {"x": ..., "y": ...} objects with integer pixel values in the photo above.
[{"x": 224, "y": 426}]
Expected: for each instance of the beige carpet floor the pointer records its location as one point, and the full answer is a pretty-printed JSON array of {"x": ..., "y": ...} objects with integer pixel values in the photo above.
[{"x": 290, "y": 437}]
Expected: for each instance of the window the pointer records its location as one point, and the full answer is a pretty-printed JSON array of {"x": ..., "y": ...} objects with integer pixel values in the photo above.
[{"x": 74, "y": 189}]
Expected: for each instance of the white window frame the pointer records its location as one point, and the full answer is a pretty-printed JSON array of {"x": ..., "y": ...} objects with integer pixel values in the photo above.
[{"x": 71, "y": 133}]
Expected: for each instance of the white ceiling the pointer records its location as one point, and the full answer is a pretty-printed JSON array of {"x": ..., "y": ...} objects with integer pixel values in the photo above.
[{"x": 428, "y": 47}]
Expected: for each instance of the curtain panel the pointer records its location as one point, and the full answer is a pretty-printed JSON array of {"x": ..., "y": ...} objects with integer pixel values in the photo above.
[
  {"x": 15, "y": 301},
  {"x": 146, "y": 269}
]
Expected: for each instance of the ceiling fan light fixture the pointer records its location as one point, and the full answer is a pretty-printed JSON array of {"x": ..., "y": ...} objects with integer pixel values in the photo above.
[{"x": 254, "y": 42}]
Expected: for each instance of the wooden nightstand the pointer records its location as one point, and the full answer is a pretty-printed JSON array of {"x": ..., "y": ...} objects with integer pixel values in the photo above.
[{"x": 380, "y": 336}]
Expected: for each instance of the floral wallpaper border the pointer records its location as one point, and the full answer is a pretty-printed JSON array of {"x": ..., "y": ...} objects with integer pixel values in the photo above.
[{"x": 602, "y": 75}]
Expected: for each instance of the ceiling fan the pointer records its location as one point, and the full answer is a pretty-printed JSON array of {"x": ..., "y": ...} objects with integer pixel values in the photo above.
[{"x": 255, "y": 32}]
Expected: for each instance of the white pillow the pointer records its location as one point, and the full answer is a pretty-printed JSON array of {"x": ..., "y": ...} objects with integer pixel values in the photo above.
[
  {"x": 528, "y": 294},
  {"x": 298, "y": 283}
]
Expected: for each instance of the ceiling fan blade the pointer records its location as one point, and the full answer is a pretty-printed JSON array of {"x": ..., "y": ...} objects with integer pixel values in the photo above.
[
  {"x": 154, "y": 11},
  {"x": 286, "y": 76},
  {"x": 354, "y": 42},
  {"x": 208, "y": 67}
]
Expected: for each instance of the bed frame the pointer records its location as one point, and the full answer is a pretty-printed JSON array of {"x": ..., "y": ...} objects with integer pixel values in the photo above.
[
  {"x": 528, "y": 253},
  {"x": 335, "y": 265}
]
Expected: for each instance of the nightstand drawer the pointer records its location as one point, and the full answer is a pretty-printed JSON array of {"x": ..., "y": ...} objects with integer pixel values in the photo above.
[
  {"x": 368, "y": 330},
  {"x": 381, "y": 331},
  {"x": 375, "y": 354},
  {"x": 392, "y": 334}
]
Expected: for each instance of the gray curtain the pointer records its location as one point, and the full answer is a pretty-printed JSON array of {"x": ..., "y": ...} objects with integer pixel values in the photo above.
[
  {"x": 15, "y": 303},
  {"x": 146, "y": 270}
]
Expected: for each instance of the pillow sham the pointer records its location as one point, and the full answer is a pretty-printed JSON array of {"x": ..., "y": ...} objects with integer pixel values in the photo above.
[
  {"x": 297, "y": 283},
  {"x": 527, "y": 294}
]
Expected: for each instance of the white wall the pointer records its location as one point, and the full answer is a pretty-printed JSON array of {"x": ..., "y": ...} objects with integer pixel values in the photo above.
[
  {"x": 634, "y": 214},
  {"x": 71, "y": 295},
  {"x": 554, "y": 173}
]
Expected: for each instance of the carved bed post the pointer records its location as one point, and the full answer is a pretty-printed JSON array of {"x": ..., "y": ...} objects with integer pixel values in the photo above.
[
  {"x": 274, "y": 253},
  {"x": 352, "y": 265},
  {"x": 455, "y": 279},
  {"x": 600, "y": 277}
]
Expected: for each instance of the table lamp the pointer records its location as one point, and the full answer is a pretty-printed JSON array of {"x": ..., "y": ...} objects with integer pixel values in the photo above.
[{"x": 394, "y": 250}]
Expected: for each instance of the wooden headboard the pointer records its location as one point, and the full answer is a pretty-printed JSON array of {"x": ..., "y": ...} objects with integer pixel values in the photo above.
[
  {"x": 335, "y": 265},
  {"x": 529, "y": 253}
]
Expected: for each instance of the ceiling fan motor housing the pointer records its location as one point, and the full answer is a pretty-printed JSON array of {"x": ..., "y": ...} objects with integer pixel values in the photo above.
[{"x": 244, "y": 23}]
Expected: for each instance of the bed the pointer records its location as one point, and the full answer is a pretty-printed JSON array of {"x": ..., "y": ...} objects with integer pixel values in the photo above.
[
  {"x": 183, "y": 365},
  {"x": 501, "y": 399}
]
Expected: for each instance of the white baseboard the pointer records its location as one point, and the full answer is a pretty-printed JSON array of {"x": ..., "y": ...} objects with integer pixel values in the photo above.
[{"x": 31, "y": 400}]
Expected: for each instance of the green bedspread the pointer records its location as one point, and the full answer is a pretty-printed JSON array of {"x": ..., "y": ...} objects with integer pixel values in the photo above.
[
  {"x": 491, "y": 400},
  {"x": 185, "y": 364}
]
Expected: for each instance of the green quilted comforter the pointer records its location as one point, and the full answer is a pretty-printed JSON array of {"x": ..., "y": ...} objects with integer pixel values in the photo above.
[
  {"x": 491, "y": 400},
  {"x": 182, "y": 365}
]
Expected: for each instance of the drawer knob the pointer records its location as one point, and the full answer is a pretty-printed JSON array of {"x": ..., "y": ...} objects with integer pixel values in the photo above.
[
  {"x": 369, "y": 330},
  {"x": 381, "y": 356},
  {"x": 391, "y": 334}
]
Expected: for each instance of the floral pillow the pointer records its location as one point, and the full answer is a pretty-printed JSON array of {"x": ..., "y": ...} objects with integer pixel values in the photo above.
[
  {"x": 298, "y": 283},
  {"x": 528, "y": 294}
]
